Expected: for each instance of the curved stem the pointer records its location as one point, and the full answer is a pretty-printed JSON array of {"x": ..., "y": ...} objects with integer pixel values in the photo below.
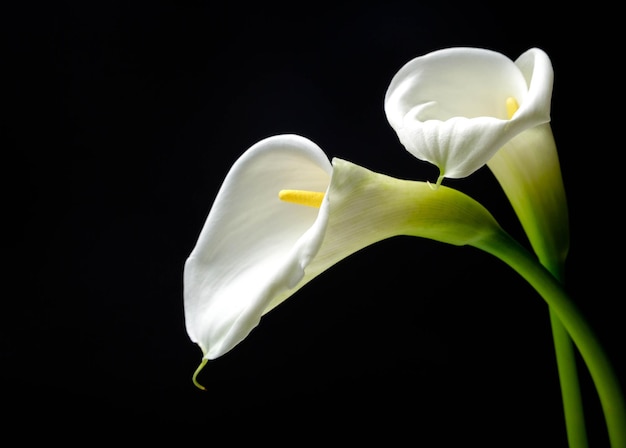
[
  {"x": 195, "y": 374},
  {"x": 502, "y": 246}
]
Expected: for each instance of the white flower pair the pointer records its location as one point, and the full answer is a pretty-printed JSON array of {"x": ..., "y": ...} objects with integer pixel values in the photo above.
[{"x": 285, "y": 213}]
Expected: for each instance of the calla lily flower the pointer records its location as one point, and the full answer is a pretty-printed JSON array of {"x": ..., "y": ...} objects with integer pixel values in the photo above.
[
  {"x": 456, "y": 107},
  {"x": 256, "y": 250},
  {"x": 462, "y": 108}
]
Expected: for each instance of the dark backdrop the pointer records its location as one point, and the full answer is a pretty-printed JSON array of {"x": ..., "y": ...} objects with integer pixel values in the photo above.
[{"x": 123, "y": 119}]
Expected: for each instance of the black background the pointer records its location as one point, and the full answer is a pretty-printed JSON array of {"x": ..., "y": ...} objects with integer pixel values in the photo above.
[{"x": 124, "y": 117}]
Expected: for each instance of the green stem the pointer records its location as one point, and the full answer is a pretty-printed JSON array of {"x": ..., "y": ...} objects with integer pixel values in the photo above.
[
  {"x": 607, "y": 386},
  {"x": 570, "y": 388},
  {"x": 567, "y": 369}
]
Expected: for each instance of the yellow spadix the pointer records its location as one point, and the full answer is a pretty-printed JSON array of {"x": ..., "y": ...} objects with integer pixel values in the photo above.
[{"x": 302, "y": 197}]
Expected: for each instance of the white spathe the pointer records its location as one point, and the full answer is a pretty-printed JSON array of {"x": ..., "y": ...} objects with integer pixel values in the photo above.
[
  {"x": 253, "y": 247},
  {"x": 449, "y": 107}
]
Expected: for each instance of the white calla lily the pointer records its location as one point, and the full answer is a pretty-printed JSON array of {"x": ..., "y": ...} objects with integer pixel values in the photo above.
[
  {"x": 255, "y": 250},
  {"x": 456, "y": 107}
]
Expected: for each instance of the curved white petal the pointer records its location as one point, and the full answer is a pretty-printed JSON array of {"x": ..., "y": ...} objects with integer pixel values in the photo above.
[
  {"x": 253, "y": 246},
  {"x": 448, "y": 107}
]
